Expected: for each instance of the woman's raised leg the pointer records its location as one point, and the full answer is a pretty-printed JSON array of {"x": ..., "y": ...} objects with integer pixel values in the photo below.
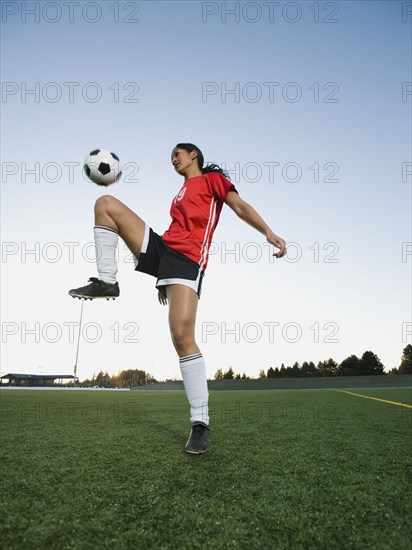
[
  {"x": 112, "y": 219},
  {"x": 112, "y": 214}
]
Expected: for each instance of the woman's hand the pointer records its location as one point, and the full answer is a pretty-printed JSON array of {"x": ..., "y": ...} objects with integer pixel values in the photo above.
[
  {"x": 162, "y": 298},
  {"x": 278, "y": 242}
]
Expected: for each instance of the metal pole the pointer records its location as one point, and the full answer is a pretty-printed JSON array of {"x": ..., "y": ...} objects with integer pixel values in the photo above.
[{"x": 78, "y": 344}]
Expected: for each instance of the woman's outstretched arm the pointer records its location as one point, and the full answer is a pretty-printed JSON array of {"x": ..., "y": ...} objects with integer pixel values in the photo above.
[{"x": 249, "y": 215}]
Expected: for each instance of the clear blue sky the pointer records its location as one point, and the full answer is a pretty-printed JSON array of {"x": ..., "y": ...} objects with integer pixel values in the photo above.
[{"x": 309, "y": 108}]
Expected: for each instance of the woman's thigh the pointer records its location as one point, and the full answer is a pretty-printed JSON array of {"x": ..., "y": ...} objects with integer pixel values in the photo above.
[
  {"x": 112, "y": 213},
  {"x": 183, "y": 302}
]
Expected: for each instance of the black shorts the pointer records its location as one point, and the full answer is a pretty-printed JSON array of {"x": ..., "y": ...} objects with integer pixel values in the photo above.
[{"x": 167, "y": 265}]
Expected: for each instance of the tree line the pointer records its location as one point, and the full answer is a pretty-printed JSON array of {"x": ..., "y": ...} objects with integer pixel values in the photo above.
[
  {"x": 124, "y": 379},
  {"x": 367, "y": 365}
]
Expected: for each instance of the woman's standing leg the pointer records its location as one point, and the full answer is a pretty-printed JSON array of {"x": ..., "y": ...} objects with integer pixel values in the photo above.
[{"x": 182, "y": 320}]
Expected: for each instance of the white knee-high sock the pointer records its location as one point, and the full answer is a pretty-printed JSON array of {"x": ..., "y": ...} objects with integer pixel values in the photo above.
[
  {"x": 193, "y": 372},
  {"x": 106, "y": 241}
]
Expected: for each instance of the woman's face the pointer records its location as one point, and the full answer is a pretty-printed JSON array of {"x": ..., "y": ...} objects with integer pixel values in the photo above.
[{"x": 183, "y": 161}]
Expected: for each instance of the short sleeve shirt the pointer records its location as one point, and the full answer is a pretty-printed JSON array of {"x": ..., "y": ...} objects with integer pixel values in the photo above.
[{"x": 195, "y": 213}]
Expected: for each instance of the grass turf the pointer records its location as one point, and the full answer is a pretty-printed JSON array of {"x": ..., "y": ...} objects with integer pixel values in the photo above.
[{"x": 285, "y": 469}]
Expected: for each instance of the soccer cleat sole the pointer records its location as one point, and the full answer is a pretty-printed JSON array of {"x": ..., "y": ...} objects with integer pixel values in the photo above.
[
  {"x": 93, "y": 297},
  {"x": 196, "y": 452}
]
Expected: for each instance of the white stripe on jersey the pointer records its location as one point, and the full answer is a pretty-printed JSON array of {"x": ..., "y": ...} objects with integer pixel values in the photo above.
[{"x": 205, "y": 246}]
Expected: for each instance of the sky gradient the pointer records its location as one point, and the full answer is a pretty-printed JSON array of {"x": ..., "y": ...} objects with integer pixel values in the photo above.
[{"x": 309, "y": 108}]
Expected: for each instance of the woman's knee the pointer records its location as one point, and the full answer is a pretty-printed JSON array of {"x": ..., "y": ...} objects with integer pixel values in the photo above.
[
  {"x": 182, "y": 336},
  {"x": 104, "y": 203}
]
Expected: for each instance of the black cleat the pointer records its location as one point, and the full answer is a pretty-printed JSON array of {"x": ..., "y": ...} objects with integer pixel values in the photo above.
[
  {"x": 96, "y": 289},
  {"x": 198, "y": 439}
]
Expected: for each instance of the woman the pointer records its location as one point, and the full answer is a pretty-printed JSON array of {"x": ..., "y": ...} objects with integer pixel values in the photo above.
[{"x": 178, "y": 260}]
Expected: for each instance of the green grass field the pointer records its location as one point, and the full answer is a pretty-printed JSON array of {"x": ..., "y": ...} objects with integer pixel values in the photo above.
[{"x": 285, "y": 469}]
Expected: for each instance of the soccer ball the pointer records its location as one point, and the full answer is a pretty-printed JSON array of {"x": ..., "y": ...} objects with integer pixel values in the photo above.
[{"x": 102, "y": 167}]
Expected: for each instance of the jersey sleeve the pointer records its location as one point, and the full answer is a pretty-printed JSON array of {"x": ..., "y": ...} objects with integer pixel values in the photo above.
[{"x": 220, "y": 185}]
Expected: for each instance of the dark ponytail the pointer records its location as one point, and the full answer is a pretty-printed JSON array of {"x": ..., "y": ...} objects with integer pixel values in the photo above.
[{"x": 189, "y": 147}]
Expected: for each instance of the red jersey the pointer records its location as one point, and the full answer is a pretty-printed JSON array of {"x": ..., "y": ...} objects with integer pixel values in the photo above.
[{"x": 195, "y": 212}]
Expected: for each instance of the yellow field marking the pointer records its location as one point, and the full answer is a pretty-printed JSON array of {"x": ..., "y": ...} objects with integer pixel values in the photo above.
[{"x": 377, "y": 399}]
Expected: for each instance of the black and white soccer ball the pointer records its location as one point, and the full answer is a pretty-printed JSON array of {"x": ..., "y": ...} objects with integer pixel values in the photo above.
[{"x": 102, "y": 167}]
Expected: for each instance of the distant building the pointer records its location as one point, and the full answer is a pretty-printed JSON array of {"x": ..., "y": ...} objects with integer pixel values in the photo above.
[{"x": 35, "y": 380}]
